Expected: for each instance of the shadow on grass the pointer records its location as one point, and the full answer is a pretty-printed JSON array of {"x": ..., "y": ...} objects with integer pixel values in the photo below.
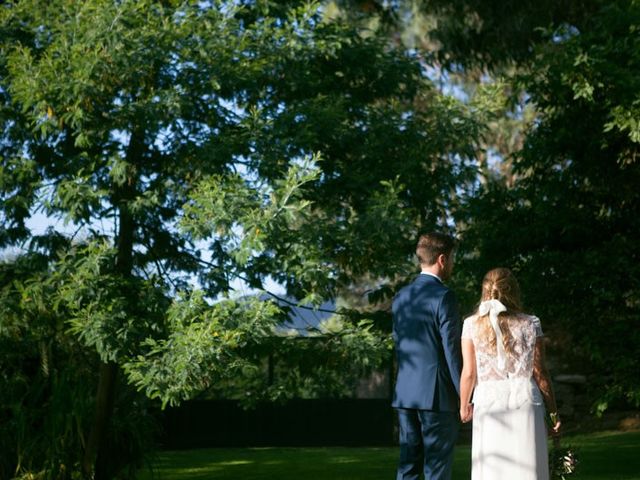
[{"x": 275, "y": 463}]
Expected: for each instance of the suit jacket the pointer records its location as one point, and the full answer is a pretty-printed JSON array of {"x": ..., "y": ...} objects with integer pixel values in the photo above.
[{"x": 426, "y": 331}]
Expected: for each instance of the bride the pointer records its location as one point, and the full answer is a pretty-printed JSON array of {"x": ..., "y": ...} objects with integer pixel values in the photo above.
[{"x": 503, "y": 358}]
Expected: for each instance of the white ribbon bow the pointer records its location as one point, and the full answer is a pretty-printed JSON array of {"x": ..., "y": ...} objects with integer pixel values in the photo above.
[{"x": 494, "y": 308}]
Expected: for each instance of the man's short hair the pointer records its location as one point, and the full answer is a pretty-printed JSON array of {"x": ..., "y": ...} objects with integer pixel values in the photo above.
[{"x": 433, "y": 244}]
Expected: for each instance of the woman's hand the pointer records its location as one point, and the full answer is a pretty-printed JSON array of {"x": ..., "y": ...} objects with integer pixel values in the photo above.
[
  {"x": 466, "y": 412},
  {"x": 555, "y": 425}
]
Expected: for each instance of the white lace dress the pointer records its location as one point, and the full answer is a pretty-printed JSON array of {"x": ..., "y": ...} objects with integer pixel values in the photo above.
[{"x": 509, "y": 433}]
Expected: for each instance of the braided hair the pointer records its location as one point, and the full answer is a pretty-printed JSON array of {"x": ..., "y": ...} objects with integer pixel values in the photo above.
[{"x": 500, "y": 284}]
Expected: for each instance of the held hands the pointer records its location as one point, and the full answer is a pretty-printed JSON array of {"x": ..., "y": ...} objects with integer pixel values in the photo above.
[{"x": 466, "y": 412}]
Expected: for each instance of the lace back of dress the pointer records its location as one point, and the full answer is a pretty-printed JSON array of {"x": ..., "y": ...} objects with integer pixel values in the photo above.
[{"x": 520, "y": 336}]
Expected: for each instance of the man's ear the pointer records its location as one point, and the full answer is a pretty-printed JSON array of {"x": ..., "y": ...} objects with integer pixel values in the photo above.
[{"x": 442, "y": 260}]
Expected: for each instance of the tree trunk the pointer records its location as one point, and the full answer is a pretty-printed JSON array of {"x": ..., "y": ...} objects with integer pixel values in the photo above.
[
  {"x": 94, "y": 462},
  {"x": 97, "y": 456}
]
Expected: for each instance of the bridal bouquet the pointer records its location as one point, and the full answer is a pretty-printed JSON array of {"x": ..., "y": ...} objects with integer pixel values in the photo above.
[{"x": 562, "y": 462}]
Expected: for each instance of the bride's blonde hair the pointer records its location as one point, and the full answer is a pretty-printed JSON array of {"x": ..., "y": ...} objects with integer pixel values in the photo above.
[{"x": 499, "y": 284}]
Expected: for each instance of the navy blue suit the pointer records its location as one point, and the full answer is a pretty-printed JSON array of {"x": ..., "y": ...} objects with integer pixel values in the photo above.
[{"x": 426, "y": 331}]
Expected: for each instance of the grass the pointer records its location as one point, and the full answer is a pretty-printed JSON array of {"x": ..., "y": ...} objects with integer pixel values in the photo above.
[{"x": 605, "y": 455}]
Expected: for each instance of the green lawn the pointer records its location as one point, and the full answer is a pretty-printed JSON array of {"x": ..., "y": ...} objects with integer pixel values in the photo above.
[{"x": 607, "y": 455}]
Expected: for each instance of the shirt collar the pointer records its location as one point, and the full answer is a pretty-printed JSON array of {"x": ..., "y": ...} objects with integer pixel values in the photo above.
[{"x": 432, "y": 274}]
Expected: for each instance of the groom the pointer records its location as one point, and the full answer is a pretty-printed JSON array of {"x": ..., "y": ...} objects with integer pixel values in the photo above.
[{"x": 426, "y": 331}]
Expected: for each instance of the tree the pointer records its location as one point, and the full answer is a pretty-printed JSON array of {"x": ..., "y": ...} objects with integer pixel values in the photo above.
[
  {"x": 296, "y": 147},
  {"x": 465, "y": 35},
  {"x": 558, "y": 203},
  {"x": 566, "y": 224}
]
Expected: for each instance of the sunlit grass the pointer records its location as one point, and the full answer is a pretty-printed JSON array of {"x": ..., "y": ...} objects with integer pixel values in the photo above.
[{"x": 603, "y": 456}]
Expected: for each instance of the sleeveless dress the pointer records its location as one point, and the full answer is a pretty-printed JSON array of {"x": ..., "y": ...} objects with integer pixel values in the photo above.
[{"x": 509, "y": 433}]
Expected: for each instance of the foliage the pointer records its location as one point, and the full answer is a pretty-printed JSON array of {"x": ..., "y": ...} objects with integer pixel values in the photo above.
[
  {"x": 557, "y": 190},
  {"x": 212, "y": 142},
  {"x": 466, "y": 35},
  {"x": 324, "y": 364},
  {"x": 567, "y": 223},
  {"x": 272, "y": 230},
  {"x": 47, "y": 383}
]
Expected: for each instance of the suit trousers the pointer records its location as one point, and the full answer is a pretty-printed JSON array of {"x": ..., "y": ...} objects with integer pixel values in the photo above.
[{"x": 427, "y": 439}]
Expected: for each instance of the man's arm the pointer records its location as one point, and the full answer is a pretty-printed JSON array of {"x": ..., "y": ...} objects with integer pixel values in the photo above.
[{"x": 450, "y": 332}]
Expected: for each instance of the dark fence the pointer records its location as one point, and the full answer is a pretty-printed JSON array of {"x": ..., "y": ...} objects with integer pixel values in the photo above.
[{"x": 223, "y": 423}]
